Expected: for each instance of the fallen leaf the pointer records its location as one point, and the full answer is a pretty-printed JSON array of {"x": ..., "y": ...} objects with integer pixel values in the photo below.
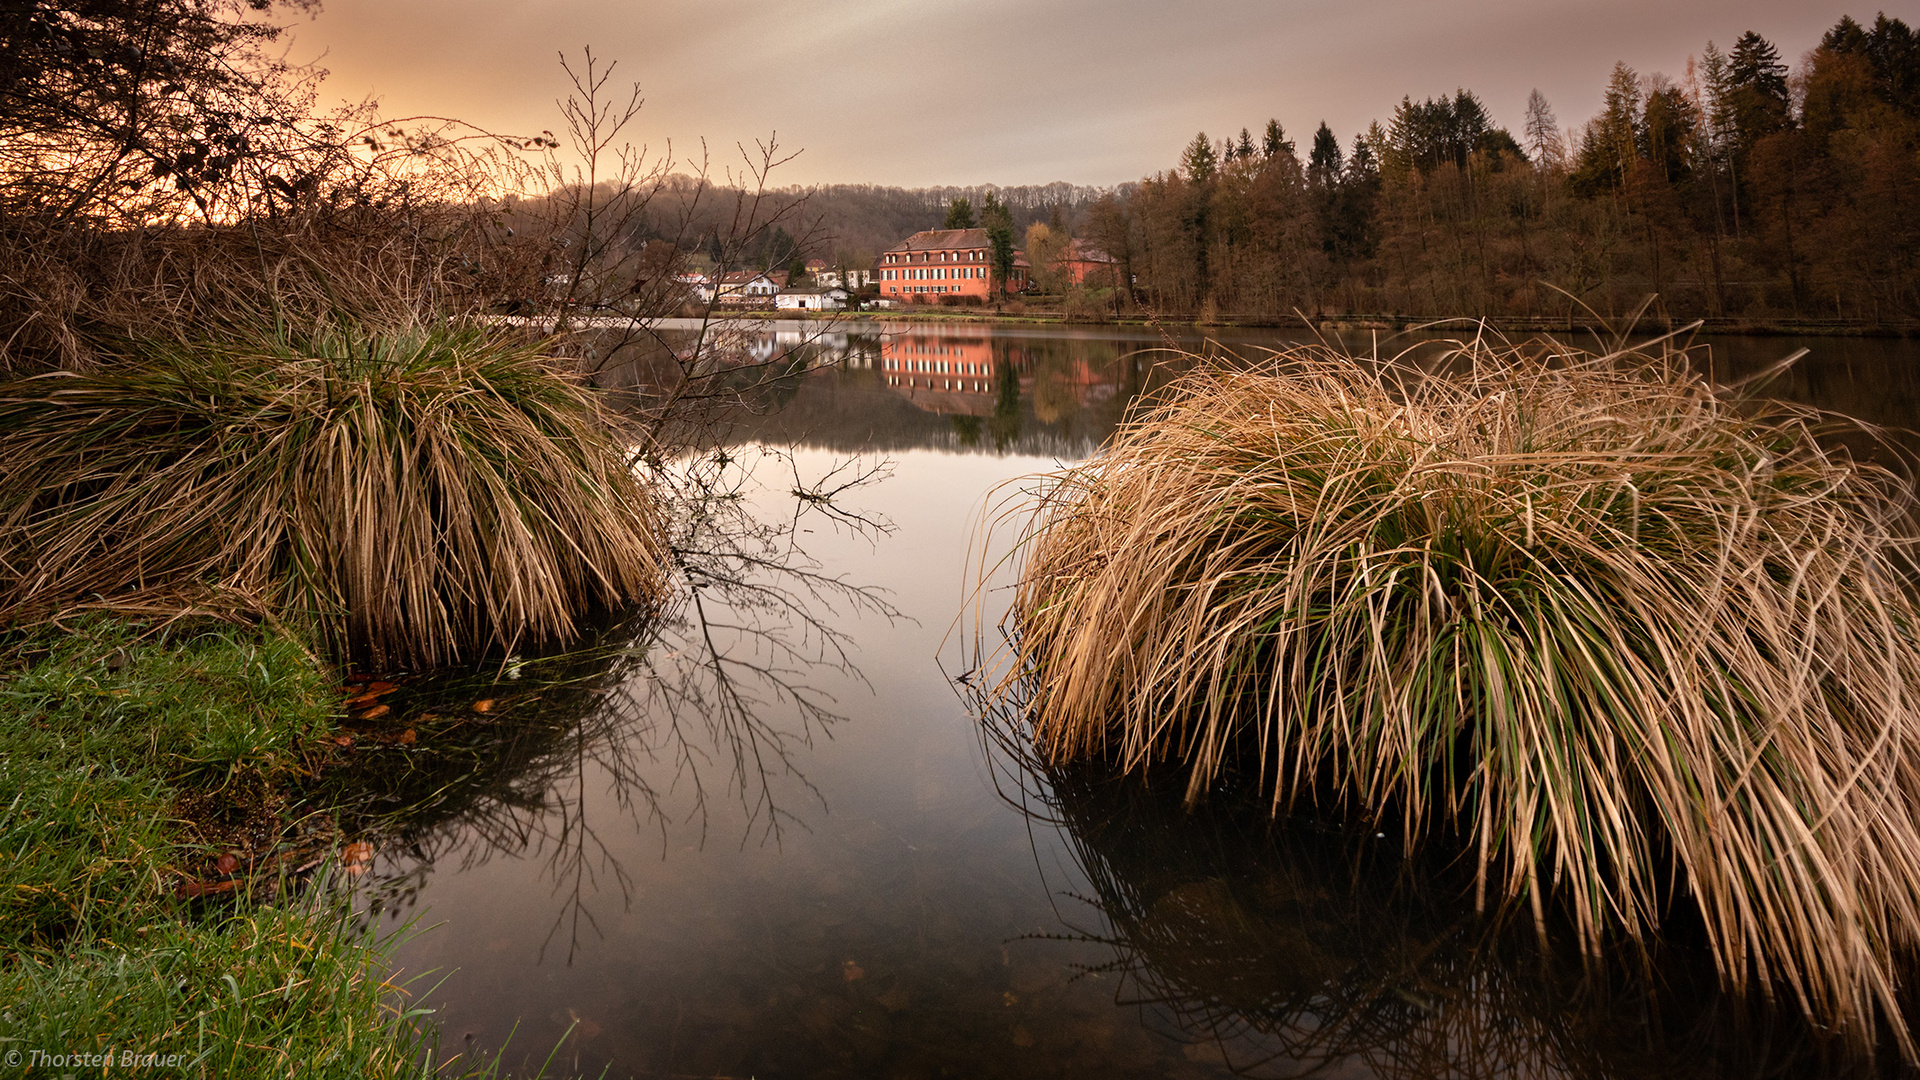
[
  {"x": 851, "y": 971},
  {"x": 371, "y": 693},
  {"x": 355, "y": 857},
  {"x": 407, "y": 738},
  {"x": 375, "y": 713},
  {"x": 226, "y": 862},
  {"x": 203, "y": 888},
  {"x": 343, "y": 740},
  {"x": 483, "y": 705}
]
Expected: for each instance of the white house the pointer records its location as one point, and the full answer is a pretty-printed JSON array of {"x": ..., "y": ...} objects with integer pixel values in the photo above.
[
  {"x": 749, "y": 286},
  {"x": 697, "y": 285},
  {"x": 830, "y": 299},
  {"x": 846, "y": 279}
]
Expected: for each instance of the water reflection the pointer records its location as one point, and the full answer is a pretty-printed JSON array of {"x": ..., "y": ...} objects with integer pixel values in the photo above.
[
  {"x": 713, "y": 846},
  {"x": 1302, "y": 947},
  {"x": 864, "y": 388},
  {"x": 538, "y": 760},
  {"x": 1057, "y": 392}
]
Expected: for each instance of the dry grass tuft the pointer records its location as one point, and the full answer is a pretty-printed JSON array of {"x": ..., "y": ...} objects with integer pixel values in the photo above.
[
  {"x": 1633, "y": 642},
  {"x": 427, "y": 492}
]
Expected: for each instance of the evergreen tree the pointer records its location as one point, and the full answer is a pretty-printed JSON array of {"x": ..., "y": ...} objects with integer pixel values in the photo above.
[
  {"x": 1246, "y": 144},
  {"x": 1276, "y": 141},
  {"x": 959, "y": 214},
  {"x": 1324, "y": 163},
  {"x": 1361, "y": 167},
  {"x": 1716, "y": 86},
  {"x": 1470, "y": 128},
  {"x": 1438, "y": 131},
  {"x": 1892, "y": 52},
  {"x": 1324, "y": 166},
  {"x": 1199, "y": 162},
  {"x": 998, "y": 221},
  {"x": 1358, "y": 204},
  {"x": 1758, "y": 83},
  {"x": 1668, "y": 130},
  {"x": 1618, "y": 133}
]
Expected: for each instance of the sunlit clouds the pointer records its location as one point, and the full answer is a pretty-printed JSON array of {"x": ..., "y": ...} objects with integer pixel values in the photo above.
[{"x": 918, "y": 92}]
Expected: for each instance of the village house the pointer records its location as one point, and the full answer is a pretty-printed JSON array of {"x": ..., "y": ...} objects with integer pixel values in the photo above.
[
  {"x": 1088, "y": 266},
  {"x": 694, "y": 286},
  {"x": 829, "y": 299},
  {"x": 943, "y": 262},
  {"x": 849, "y": 278},
  {"x": 745, "y": 287}
]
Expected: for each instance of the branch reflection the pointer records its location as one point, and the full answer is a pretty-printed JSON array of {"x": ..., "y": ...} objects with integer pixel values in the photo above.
[{"x": 691, "y": 718}]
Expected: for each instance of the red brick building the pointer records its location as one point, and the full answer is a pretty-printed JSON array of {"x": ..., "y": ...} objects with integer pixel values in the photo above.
[
  {"x": 943, "y": 262},
  {"x": 1088, "y": 265}
]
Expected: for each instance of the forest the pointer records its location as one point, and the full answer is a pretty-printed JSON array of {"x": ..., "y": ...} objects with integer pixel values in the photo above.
[{"x": 1739, "y": 190}]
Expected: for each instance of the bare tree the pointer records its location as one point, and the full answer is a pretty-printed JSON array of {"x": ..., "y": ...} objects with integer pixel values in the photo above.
[{"x": 1543, "y": 133}]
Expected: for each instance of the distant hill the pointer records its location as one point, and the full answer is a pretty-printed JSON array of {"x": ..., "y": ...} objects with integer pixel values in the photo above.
[{"x": 850, "y": 222}]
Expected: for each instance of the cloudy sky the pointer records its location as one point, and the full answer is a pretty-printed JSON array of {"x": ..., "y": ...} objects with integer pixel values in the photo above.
[{"x": 922, "y": 92}]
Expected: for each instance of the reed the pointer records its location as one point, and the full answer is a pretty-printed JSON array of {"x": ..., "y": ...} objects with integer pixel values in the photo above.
[
  {"x": 1638, "y": 644},
  {"x": 423, "y": 492}
]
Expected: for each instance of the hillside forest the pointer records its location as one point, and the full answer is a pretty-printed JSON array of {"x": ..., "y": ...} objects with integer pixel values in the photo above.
[{"x": 1740, "y": 188}]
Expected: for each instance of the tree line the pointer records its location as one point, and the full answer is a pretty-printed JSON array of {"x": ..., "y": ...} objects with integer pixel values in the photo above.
[
  {"x": 150, "y": 146},
  {"x": 1740, "y": 189}
]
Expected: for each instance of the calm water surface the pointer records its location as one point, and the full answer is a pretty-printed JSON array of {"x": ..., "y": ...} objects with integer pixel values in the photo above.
[{"x": 739, "y": 851}]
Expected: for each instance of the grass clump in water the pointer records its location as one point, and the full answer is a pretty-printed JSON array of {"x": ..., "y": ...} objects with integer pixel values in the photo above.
[
  {"x": 427, "y": 492},
  {"x": 1632, "y": 642}
]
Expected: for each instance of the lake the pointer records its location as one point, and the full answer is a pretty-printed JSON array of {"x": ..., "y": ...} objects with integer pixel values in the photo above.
[{"x": 771, "y": 837}]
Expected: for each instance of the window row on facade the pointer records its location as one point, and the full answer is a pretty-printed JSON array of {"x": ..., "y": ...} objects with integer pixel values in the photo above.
[{"x": 935, "y": 273}]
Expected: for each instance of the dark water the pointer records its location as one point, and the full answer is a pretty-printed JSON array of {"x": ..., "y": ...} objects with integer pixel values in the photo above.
[{"x": 769, "y": 838}]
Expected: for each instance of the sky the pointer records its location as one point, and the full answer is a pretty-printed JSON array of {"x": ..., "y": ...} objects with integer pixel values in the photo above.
[{"x": 931, "y": 92}]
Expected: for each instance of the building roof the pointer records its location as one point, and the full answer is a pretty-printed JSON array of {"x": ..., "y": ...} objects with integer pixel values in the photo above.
[
  {"x": 742, "y": 277},
  {"x": 951, "y": 240},
  {"x": 816, "y": 264},
  {"x": 942, "y": 240},
  {"x": 1080, "y": 251}
]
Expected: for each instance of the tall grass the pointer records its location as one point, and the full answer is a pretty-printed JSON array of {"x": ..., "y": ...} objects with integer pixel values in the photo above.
[
  {"x": 424, "y": 492},
  {"x": 1635, "y": 643}
]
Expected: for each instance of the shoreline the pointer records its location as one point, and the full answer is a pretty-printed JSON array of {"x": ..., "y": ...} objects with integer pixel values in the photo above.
[{"x": 1510, "y": 325}]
